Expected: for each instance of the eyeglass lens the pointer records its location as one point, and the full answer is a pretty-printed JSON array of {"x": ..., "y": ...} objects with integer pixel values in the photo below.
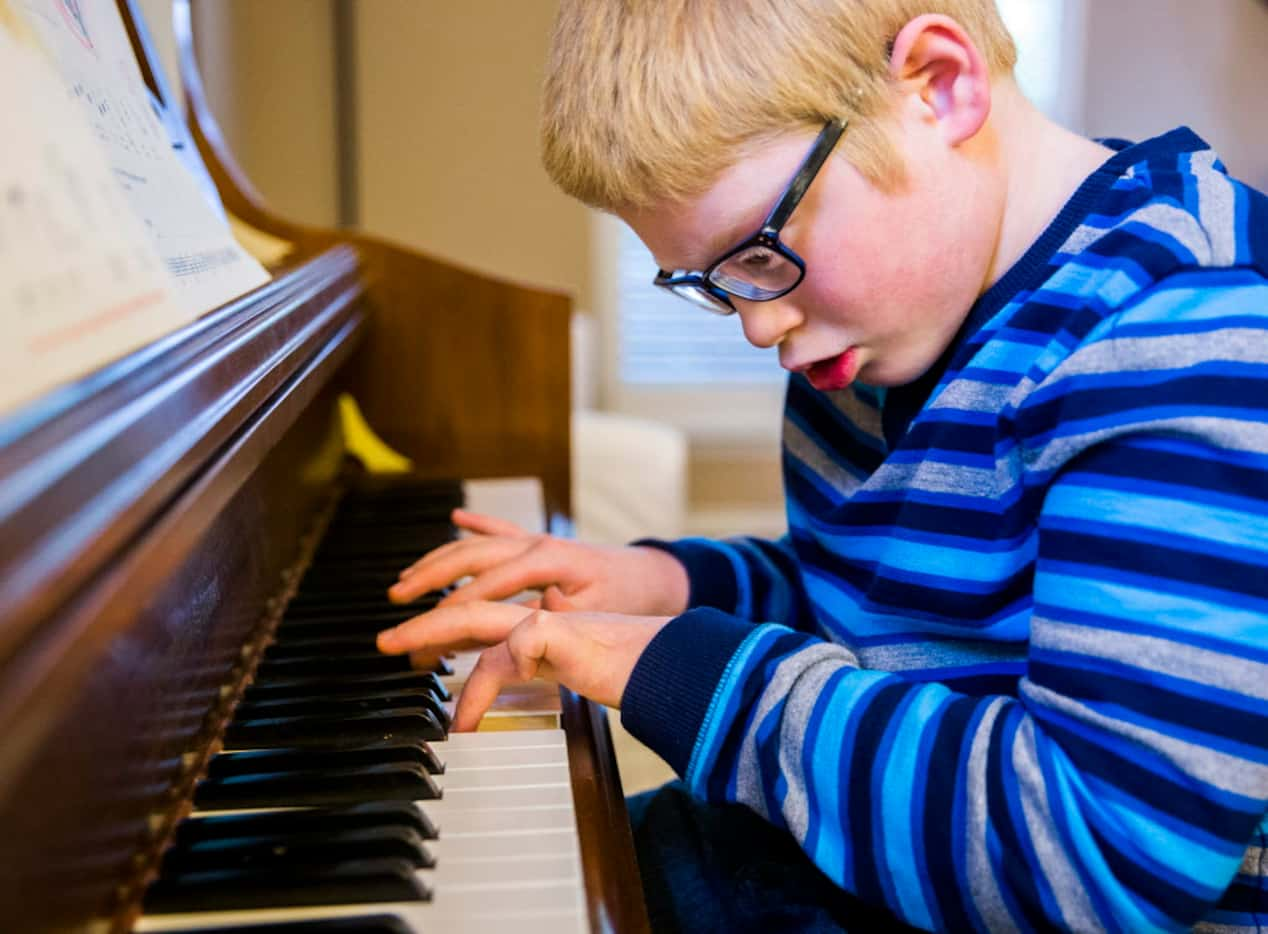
[
  {"x": 757, "y": 273},
  {"x": 700, "y": 296}
]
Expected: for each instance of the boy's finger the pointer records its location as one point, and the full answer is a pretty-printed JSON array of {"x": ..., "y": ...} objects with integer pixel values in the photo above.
[
  {"x": 448, "y": 550},
  {"x": 427, "y": 661},
  {"x": 493, "y": 671},
  {"x": 555, "y": 601},
  {"x": 438, "y": 552},
  {"x": 486, "y": 525},
  {"x": 530, "y": 570},
  {"x": 443, "y": 629},
  {"x": 474, "y": 558}
]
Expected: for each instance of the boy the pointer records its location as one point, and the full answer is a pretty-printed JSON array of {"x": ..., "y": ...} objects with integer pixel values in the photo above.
[{"x": 1009, "y": 669}]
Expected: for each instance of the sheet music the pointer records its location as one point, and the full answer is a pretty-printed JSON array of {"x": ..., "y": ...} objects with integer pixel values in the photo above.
[
  {"x": 166, "y": 186},
  {"x": 80, "y": 280}
]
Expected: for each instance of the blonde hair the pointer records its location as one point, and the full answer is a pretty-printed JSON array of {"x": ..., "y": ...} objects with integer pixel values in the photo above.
[{"x": 652, "y": 99}]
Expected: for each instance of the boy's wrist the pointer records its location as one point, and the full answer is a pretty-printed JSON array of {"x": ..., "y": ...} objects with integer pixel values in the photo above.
[
  {"x": 709, "y": 574},
  {"x": 673, "y": 683},
  {"x": 665, "y": 577}
]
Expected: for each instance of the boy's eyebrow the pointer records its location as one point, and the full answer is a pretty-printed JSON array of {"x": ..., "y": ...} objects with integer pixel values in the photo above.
[
  {"x": 734, "y": 233},
  {"x": 737, "y": 229}
]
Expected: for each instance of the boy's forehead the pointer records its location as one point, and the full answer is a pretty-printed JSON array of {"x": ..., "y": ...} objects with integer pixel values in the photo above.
[{"x": 690, "y": 232}]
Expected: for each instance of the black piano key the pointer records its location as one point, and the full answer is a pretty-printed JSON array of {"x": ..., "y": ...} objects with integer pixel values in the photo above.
[
  {"x": 231, "y": 889},
  {"x": 338, "y": 665},
  {"x": 375, "y": 726},
  {"x": 339, "y": 706},
  {"x": 357, "y": 514},
  {"x": 301, "y": 788},
  {"x": 329, "y": 643},
  {"x": 320, "y": 695},
  {"x": 403, "y": 520},
  {"x": 347, "y": 603},
  {"x": 343, "y": 590},
  {"x": 353, "y": 572},
  {"x": 348, "y": 576},
  {"x": 329, "y": 623},
  {"x": 337, "y": 593},
  {"x": 375, "y": 608},
  {"x": 307, "y": 820},
  {"x": 389, "y": 556},
  {"x": 352, "y": 924},
  {"x": 430, "y": 508},
  {"x": 403, "y": 667},
  {"x": 363, "y": 630},
  {"x": 354, "y": 511},
  {"x": 314, "y": 848},
  {"x": 295, "y": 675},
  {"x": 256, "y": 761},
  {"x": 306, "y": 703},
  {"x": 422, "y": 681}
]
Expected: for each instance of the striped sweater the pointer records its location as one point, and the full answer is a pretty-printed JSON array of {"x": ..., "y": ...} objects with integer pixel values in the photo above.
[{"x": 1009, "y": 668}]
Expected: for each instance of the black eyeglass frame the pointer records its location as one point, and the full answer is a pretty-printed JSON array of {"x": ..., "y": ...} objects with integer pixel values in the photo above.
[{"x": 716, "y": 297}]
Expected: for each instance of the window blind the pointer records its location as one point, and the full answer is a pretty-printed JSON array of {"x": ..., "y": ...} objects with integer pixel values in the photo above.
[{"x": 665, "y": 341}]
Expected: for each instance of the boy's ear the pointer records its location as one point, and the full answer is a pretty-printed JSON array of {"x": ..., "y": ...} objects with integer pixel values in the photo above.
[{"x": 934, "y": 57}]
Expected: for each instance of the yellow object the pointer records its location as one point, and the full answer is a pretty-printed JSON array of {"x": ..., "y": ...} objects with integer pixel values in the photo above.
[
  {"x": 362, "y": 443},
  {"x": 266, "y": 248}
]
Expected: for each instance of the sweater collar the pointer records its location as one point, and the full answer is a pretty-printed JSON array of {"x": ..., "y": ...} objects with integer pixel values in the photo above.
[{"x": 902, "y": 403}]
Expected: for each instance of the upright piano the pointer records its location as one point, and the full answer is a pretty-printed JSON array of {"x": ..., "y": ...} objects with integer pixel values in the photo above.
[{"x": 195, "y": 731}]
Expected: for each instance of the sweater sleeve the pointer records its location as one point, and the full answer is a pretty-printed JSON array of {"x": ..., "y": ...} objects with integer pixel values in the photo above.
[
  {"x": 1117, "y": 791},
  {"x": 751, "y": 578}
]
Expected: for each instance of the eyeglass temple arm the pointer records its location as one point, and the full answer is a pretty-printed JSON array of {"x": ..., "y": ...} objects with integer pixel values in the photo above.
[{"x": 814, "y": 160}]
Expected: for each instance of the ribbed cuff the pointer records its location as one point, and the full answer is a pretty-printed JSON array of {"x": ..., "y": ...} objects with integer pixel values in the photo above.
[
  {"x": 674, "y": 681},
  {"x": 710, "y": 574}
]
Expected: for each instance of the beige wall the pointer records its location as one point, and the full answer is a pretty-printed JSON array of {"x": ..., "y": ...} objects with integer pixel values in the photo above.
[
  {"x": 448, "y": 101},
  {"x": 269, "y": 75},
  {"x": 1153, "y": 64}
]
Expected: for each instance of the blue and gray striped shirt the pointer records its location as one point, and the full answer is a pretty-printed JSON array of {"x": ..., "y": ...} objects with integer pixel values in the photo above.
[{"x": 1009, "y": 668}]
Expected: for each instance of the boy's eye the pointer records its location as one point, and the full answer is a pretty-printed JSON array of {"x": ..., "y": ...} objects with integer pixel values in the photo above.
[
  {"x": 757, "y": 273},
  {"x": 757, "y": 259}
]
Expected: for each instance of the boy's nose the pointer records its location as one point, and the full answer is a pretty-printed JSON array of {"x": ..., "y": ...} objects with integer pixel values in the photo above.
[{"x": 767, "y": 323}]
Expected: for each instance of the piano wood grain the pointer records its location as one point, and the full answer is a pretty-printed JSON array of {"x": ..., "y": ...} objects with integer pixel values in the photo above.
[{"x": 156, "y": 516}]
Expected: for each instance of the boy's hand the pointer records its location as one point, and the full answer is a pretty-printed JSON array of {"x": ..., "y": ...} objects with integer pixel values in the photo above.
[
  {"x": 590, "y": 653},
  {"x": 503, "y": 560}
]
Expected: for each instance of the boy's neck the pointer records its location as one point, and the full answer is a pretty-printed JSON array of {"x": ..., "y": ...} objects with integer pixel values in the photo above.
[{"x": 1042, "y": 164}]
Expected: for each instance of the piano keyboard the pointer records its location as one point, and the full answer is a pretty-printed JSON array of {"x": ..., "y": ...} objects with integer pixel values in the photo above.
[{"x": 341, "y": 803}]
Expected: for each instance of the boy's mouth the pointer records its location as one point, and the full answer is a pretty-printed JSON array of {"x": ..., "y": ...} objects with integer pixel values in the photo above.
[{"x": 832, "y": 373}]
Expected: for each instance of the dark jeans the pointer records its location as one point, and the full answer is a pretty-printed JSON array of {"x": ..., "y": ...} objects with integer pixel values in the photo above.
[{"x": 722, "y": 868}]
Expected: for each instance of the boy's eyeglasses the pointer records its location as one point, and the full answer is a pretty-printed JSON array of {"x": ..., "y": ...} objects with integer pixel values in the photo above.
[{"x": 761, "y": 268}]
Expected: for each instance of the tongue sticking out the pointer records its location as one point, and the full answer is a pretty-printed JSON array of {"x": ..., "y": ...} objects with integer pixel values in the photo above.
[{"x": 834, "y": 373}]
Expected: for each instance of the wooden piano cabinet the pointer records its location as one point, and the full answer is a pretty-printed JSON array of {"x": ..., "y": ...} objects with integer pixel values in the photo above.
[
  {"x": 163, "y": 507},
  {"x": 465, "y": 374},
  {"x": 155, "y": 516}
]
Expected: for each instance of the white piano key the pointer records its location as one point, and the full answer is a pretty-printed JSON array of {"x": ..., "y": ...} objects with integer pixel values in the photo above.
[
  {"x": 465, "y": 847},
  {"x": 483, "y": 821},
  {"x": 505, "y": 776},
  {"x": 508, "y": 852},
  {"x": 491, "y": 739},
  {"x": 457, "y": 759},
  {"x": 495, "y": 874},
  {"x": 497, "y": 799},
  {"x": 551, "y": 909},
  {"x": 510, "y": 887}
]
